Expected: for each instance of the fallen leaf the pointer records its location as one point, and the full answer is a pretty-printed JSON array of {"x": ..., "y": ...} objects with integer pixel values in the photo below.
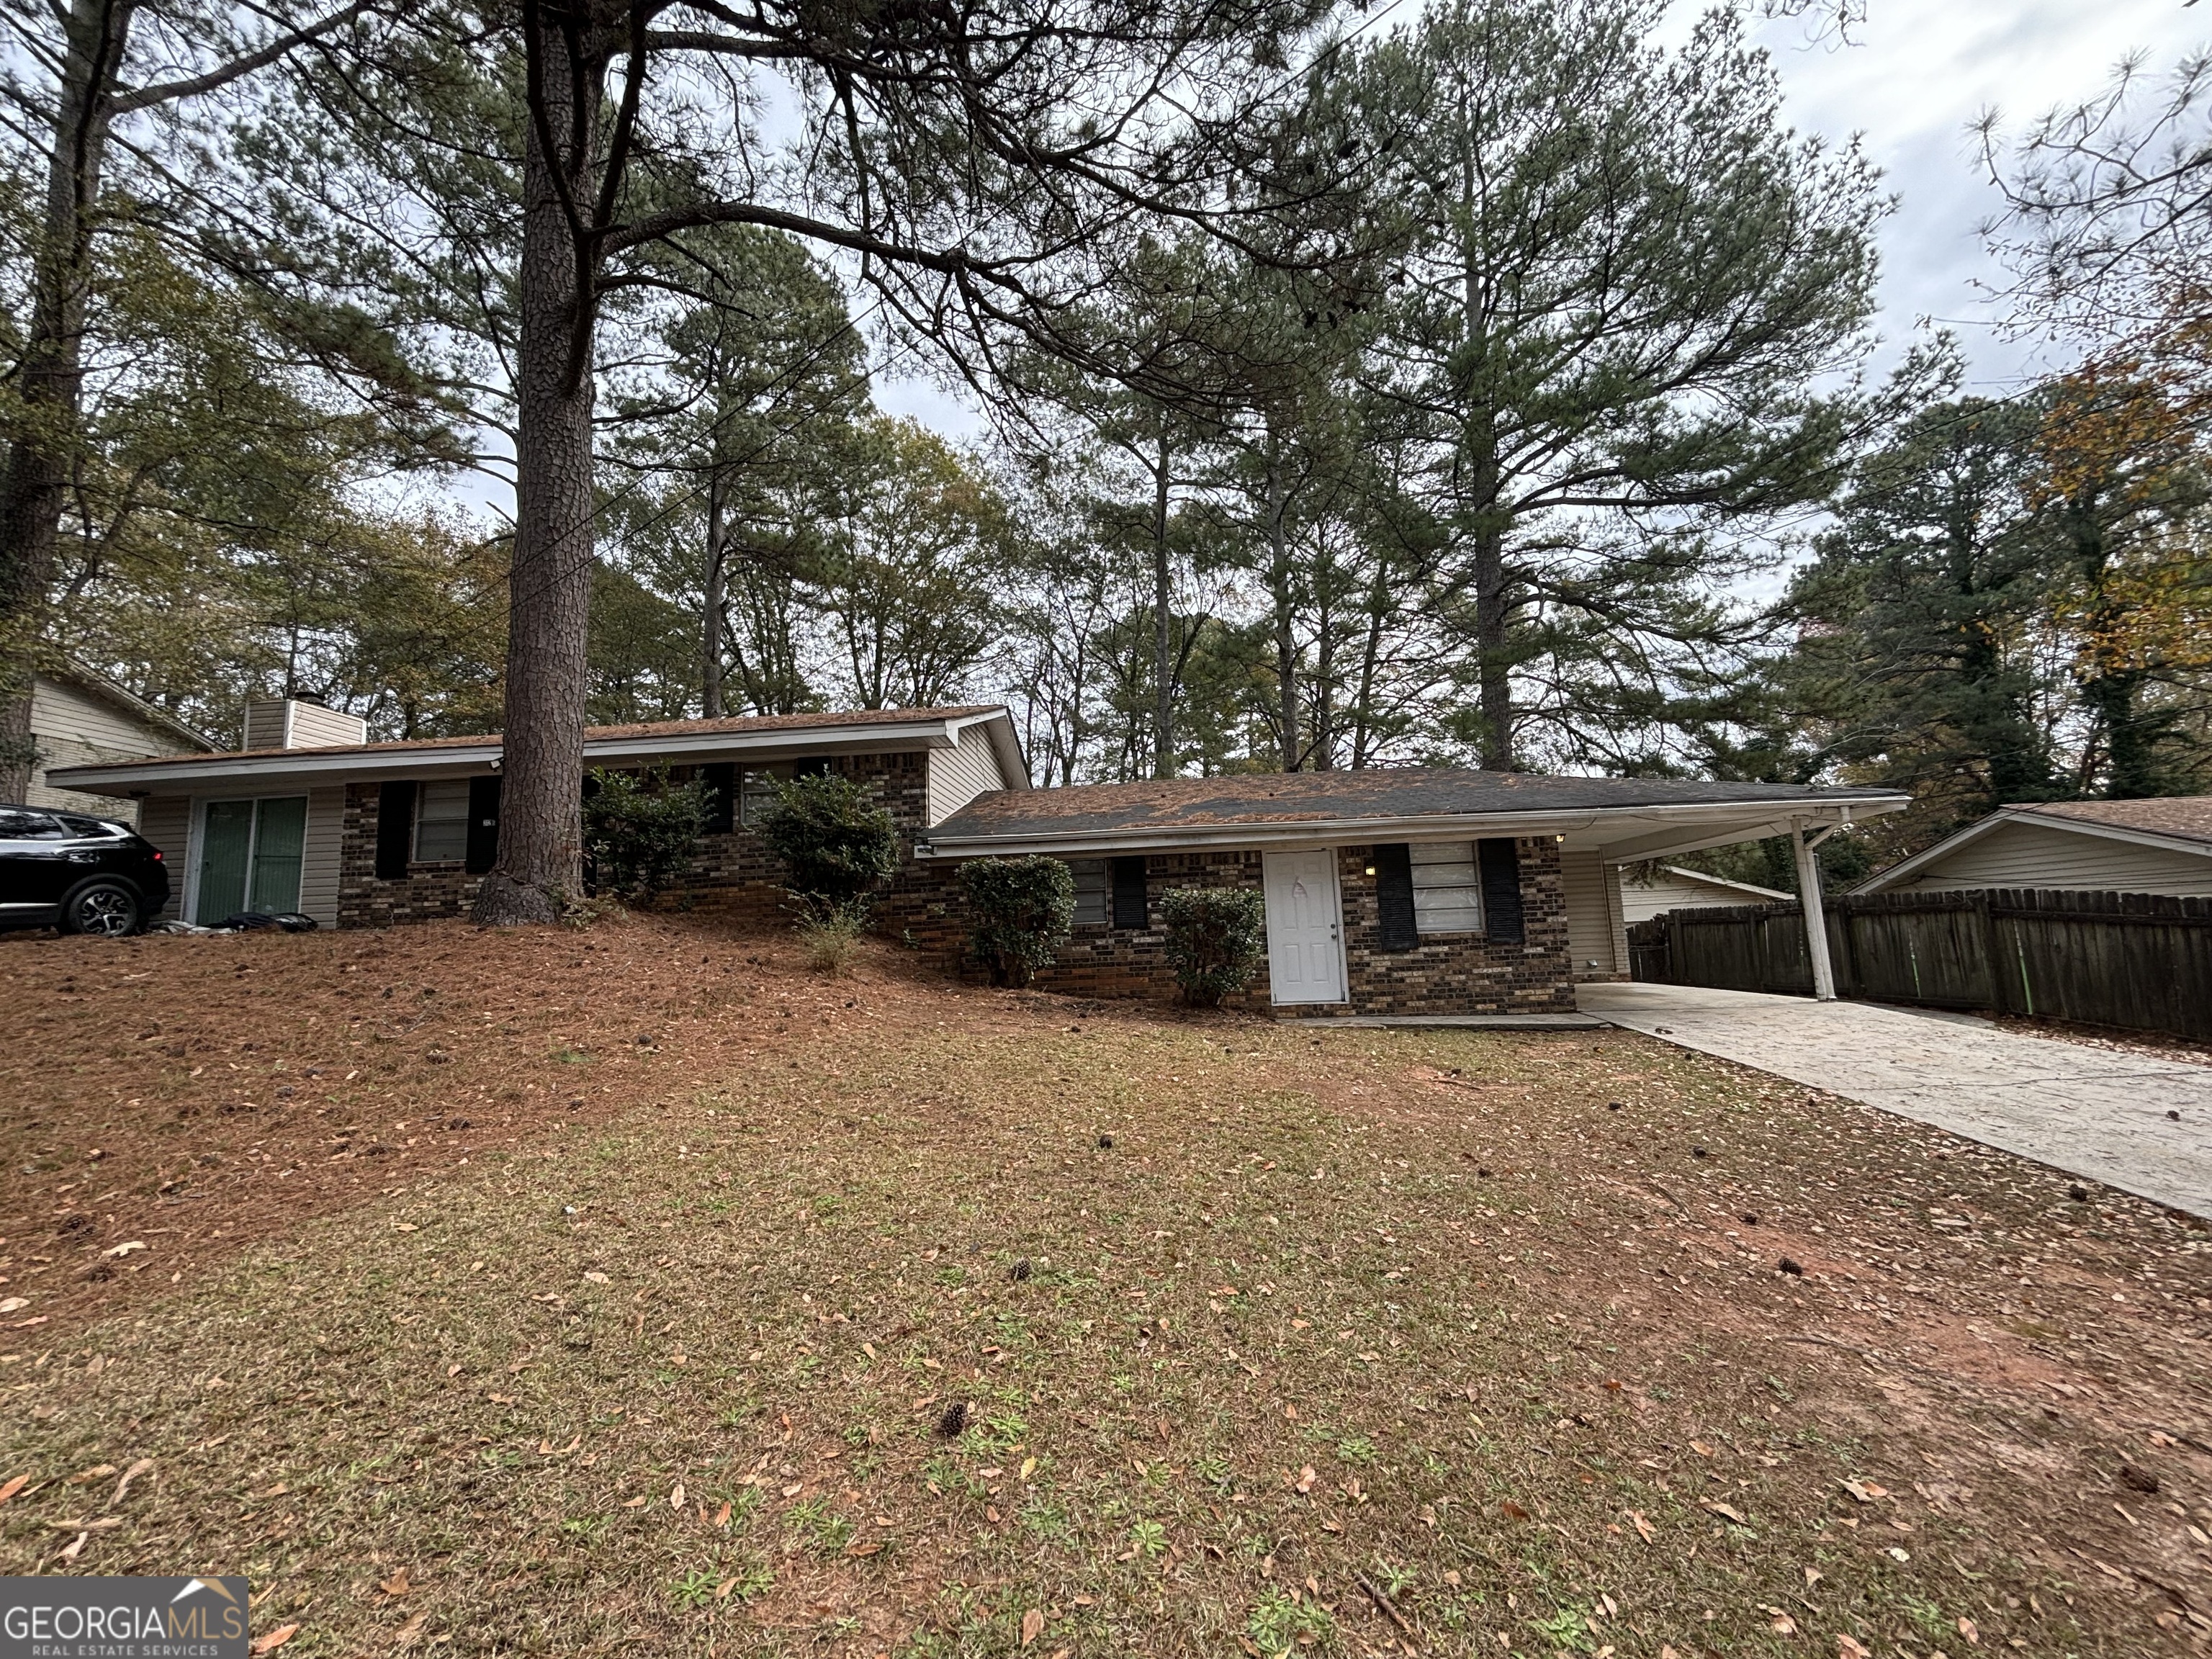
[
  {"x": 98, "y": 1471},
  {"x": 676, "y": 1495},
  {"x": 633, "y": 1503},
  {"x": 397, "y": 1585},
  {"x": 1813, "y": 1576},
  {"x": 1304, "y": 1483},
  {"x": 1032, "y": 1626},
  {"x": 1865, "y": 1490},
  {"x": 1028, "y": 1467},
  {"x": 14, "y": 1304},
  {"x": 14, "y": 1486},
  {"x": 71, "y": 1551},
  {"x": 275, "y": 1639},
  {"x": 1783, "y": 1625},
  {"x": 794, "y": 1489},
  {"x": 1725, "y": 1511},
  {"x": 1968, "y": 1628},
  {"x": 411, "y": 1631},
  {"x": 722, "y": 1515},
  {"x": 863, "y": 1549},
  {"x": 1642, "y": 1527},
  {"x": 1849, "y": 1647},
  {"x": 595, "y": 1278},
  {"x": 1513, "y": 1510}
]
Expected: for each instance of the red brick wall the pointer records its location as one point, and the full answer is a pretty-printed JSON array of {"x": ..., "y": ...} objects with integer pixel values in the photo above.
[
  {"x": 1447, "y": 975},
  {"x": 734, "y": 872}
]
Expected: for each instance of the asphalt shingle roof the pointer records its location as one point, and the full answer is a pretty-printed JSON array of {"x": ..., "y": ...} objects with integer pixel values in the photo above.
[
  {"x": 2187, "y": 815},
  {"x": 1325, "y": 797}
]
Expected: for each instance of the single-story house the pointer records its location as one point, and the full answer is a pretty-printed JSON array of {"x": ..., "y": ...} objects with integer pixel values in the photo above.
[
  {"x": 1654, "y": 890},
  {"x": 358, "y": 834},
  {"x": 2080, "y": 846},
  {"x": 79, "y": 717},
  {"x": 1391, "y": 892},
  {"x": 1407, "y": 892}
]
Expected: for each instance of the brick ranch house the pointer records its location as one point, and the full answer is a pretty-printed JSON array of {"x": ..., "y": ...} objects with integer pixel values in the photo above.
[{"x": 1413, "y": 891}]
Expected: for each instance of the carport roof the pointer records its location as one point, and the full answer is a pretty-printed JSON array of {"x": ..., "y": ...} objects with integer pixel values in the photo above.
[{"x": 1395, "y": 803}]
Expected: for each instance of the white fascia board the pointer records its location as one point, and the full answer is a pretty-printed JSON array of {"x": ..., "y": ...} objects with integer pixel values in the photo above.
[
  {"x": 2127, "y": 833},
  {"x": 1005, "y": 744},
  {"x": 1457, "y": 826},
  {"x": 192, "y": 772}
]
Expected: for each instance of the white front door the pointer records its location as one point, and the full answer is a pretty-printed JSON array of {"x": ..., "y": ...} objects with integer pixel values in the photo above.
[{"x": 1305, "y": 928}]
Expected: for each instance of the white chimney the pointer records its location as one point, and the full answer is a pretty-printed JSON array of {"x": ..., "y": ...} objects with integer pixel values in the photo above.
[{"x": 295, "y": 723}]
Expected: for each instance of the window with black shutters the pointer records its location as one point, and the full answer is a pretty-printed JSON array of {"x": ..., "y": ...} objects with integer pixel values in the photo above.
[
  {"x": 1446, "y": 895},
  {"x": 1501, "y": 889},
  {"x": 1129, "y": 893},
  {"x": 1394, "y": 897},
  {"x": 1090, "y": 891},
  {"x": 395, "y": 829}
]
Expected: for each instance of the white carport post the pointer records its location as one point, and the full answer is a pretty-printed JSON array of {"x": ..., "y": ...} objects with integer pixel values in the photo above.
[{"x": 1816, "y": 915}]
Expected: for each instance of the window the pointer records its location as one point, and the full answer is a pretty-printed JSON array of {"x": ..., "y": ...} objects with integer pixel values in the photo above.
[
  {"x": 1128, "y": 876},
  {"x": 441, "y": 821},
  {"x": 17, "y": 825},
  {"x": 1090, "y": 886},
  {"x": 757, "y": 799},
  {"x": 1447, "y": 890}
]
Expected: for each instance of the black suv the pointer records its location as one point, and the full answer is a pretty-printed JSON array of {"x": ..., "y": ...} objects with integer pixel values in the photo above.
[{"x": 80, "y": 875}]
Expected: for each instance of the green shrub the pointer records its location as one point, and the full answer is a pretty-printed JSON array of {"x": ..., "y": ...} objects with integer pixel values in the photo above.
[
  {"x": 1021, "y": 907},
  {"x": 1215, "y": 937},
  {"x": 836, "y": 844},
  {"x": 640, "y": 830}
]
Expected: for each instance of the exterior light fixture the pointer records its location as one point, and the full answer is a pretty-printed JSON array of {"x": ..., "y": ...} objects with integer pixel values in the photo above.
[{"x": 1370, "y": 869}]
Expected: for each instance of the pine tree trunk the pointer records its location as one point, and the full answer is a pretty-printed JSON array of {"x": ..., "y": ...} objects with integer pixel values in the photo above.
[
  {"x": 540, "y": 865},
  {"x": 1493, "y": 613},
  {"x": 1286, "y": 644},
  {"x": 50, "y": 373},
  {"x": 1164, "y": 750},
  {"x": 710, "y": 644}
]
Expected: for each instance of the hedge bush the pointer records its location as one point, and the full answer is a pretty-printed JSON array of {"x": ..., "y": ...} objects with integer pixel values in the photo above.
[
  {"x": 1021, "y": 908},
  {"x": 1216, "y": 937},
  {"x": 640, "y": 830},
  {"x": 836, "y": 844}
]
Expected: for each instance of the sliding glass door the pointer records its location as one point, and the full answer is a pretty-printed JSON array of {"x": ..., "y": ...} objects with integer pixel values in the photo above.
[{"x": 250, "y": 857}]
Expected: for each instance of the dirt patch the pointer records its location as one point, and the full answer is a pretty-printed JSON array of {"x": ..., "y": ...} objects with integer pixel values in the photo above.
[{"x": 656, "y": 1349}]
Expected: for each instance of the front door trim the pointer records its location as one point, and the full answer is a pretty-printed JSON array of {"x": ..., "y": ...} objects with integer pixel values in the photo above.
[{"x": 1280, "y": 870}]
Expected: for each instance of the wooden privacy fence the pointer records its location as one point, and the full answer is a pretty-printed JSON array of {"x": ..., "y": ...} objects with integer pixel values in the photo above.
[{"x": 2130, "y": 959}]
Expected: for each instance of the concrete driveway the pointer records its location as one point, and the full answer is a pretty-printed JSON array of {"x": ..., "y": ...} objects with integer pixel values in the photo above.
[{"x": 2087, "y": 1111}]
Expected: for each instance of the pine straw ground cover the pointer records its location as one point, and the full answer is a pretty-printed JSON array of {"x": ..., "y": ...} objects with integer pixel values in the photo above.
[{"x": 1255, "y": 1338}]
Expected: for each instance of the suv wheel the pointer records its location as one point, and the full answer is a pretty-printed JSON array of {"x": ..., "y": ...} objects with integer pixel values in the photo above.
[{"x": 107, "y": 909}]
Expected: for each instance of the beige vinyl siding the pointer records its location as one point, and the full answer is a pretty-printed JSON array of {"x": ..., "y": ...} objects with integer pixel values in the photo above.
[
  {"x": 1640, "y": 901},
  {"x": 1617, "y": 917},
  {"x": 282, "y": 724},
  {"x": 958, "y": 774},
  {"x": 167, "y": 821},
  {"x": 2018, "y": 854},
  {"x": 318, "y": 859},
  {"x": 1583, "y": 878},
  {"x": 72, "y": 727}
]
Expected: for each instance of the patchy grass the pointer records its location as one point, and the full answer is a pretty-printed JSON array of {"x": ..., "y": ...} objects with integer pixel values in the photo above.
[{"x": 1259, "y": 1335}]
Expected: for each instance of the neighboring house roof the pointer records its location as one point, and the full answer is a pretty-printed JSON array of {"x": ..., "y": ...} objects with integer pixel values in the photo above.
[
  {"x": 1706, "y": 879},
  {"x": 849, "y": 732},
  {"x": 1413, "y": 803},
  {"x": 91, "y": 680},
  {"x": 2181, "y": 823}
]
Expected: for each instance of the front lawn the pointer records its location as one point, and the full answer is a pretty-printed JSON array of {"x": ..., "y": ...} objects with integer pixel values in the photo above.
[{"x": 634, "y": 1290}]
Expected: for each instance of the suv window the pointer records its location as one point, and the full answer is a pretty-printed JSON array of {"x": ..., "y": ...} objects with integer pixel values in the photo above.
[
  {"x": 83, "y": 826},
  {"x": 16, "y": 825}
]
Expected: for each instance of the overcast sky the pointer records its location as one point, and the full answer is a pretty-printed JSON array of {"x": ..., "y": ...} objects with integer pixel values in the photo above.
[{"x": 1917, "y": 74}]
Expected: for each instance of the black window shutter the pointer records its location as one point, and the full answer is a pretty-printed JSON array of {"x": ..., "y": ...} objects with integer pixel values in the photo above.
[
  {"x": 1501, "y": 889},
  {"x": 721, "y": 797},
  {"x": 395, "y": 830},
  {"x": 1129, "y": 893},
  {"x": 1393, "y": 895},
  {"x": 483, "y": 849}
]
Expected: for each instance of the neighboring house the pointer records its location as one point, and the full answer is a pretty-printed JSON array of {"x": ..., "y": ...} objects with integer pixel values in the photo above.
[
  {"x": 355, "y": 833},
  {"x": 1421, "y": 891},
  {"x": 1413, "y": 891},
  {"x": 2084, "y": 846},
  {"x": 1670, "y": 887},
  {"x": 80, "y": 718}
]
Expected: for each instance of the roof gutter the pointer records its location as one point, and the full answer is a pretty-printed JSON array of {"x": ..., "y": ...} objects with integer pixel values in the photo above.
[
  {"x": 1434, "y": 827},
  {"x": 475, "y": 758}
]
